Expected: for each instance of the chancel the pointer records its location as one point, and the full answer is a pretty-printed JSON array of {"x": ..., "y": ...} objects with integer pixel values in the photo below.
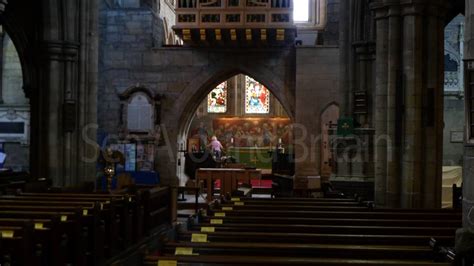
[{"x": 243, "y": 132}]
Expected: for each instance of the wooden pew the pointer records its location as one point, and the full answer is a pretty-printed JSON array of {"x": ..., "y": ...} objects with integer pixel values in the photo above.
[
  {"x": 276, "y": 260},
  {"x": 334, "y": 221},
  {"x": 98, "y": 219},
  {"x": 96, "y": 226},
  {"x": 294, "y": 207},
  {"x": 152, "y": 207},
  {"x": 331, "y": 229},
  {"x": 312, "y": 238},
  {"x": 402, "y": 214},
  {"x": 17, "y": 247},
  {"x": 317, "y": 207},
  {"x": 119, "y": 212},
  {"x": 305, "y": 250},
  {"x": 325, "y": 231},
  {"x": 76, "y": 238},
  {"x": 246, "y": 201},
  {"x": 156, "y": 206},
  {"x": 45, "y": 236}
]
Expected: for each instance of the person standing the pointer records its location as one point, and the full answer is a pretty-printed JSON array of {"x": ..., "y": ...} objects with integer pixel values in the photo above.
[{"x": 216, "y": 147}]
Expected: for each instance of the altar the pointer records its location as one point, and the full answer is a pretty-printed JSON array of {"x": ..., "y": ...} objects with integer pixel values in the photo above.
[
  {"x": 259, "y": 157},
  {"x": 229, "y": 178}
]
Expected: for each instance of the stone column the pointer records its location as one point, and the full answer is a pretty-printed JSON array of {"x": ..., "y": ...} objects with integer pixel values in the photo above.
[
  {"x": 380, "y": 102},
  {"x": 87, "y": 96},
  {"x": 412, "y": 147},
  {"x": 433, "y": 108},
  {"x": 393, "y": 124},
  {"x": 345, "y": 55},
  {"x": 65, "y": 111}
]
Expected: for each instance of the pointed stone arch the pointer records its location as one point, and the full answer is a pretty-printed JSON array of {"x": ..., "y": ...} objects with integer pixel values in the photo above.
[{"x": 198, "y": 89}]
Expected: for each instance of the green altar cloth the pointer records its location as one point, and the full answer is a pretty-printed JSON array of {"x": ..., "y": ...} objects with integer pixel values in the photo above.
[{"x": 258, "y": 157}]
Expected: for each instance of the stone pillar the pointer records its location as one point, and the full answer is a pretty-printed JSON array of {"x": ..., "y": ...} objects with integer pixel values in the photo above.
[
  {"x": 345, "y": 55},
  {"x": 380, "y": 102},
  {"x": 413, "y": 100},
  {"x": 65, "y": 111},
  {"x": 465, "y": 236},
  {"x": 393, "y": 124},
  {"x": 433, "y": 105},
  {"x": 408, "y": 103}
]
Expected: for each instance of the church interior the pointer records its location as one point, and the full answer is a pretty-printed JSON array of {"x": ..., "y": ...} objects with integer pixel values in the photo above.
[{"x": 236, "y": 132}]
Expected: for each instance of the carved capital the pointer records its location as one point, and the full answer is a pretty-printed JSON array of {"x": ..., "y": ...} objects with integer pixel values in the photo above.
[
  {"x": 61, "y": 50},
  {"x": 410, "y": 9},
  {"x": 379, "y": 10}
]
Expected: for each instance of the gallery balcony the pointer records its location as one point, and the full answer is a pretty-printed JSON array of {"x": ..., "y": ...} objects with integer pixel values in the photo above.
[{"x": 235, "y": 22}]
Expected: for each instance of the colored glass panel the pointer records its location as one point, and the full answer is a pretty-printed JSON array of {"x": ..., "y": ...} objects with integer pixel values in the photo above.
[
  {"x": 257, "y": 97},
  {"x": 217, "y": 99}
]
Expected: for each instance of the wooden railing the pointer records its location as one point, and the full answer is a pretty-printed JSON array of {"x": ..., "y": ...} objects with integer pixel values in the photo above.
[{"x": 234, "y": 14}]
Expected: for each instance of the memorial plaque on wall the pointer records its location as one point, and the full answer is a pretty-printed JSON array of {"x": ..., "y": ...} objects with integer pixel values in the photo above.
[{"x": 139, "y": 114}]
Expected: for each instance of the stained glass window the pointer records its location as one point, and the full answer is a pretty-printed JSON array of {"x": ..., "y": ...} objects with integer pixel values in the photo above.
[
  {"x": 257, "y": 97},
  {"x": 217, "y": 99}
]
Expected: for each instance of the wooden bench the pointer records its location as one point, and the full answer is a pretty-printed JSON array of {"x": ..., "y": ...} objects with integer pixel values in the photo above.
[
  {"x": 264, "y": 201},
  {"x": 352, "y": 239},
  {"x": 17, "y": 246},
  {"x": 341, "y": 214},
  {"x": 328, "y": 229},
  {"x": 305, "y": 250},
  {"x": 85, "y": 229},
  {"x": 116, "y": 214},
  {"x": 335, "y": 221},
  {"x": 48, "y": 232},
  {"x": 325, "y": 231},
  {"x": 82, "y": 228},
  {"x": 276, "y": 260}
]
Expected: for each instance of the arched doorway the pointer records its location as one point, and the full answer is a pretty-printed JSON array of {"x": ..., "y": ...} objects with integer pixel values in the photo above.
[
  {"x": 245, "y": 116},
  {"x": 453, "y": 97},
  {"x": 14, "y": 109}
]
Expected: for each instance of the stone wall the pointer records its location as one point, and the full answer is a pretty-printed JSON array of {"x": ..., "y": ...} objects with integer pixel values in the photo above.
[
  {"x": 127, "y": 37},
  {"x": 331, "y": 33},
  {"x": 317, "y": 86}
]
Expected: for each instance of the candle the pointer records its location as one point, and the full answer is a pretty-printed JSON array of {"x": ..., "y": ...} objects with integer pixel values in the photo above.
[
  {"x": 279, "y": 141},
  {"x": 232, "y": 140}
]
